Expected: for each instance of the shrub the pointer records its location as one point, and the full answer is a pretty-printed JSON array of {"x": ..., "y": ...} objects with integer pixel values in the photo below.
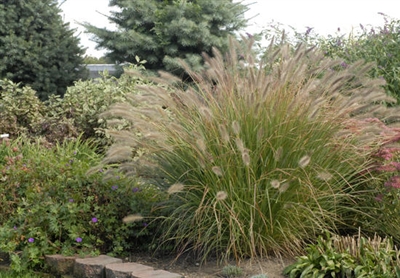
[
  {"x": 258, "y": 157},
  {"x": 21, "y": 112},
  {"x": 382, "y": 194},
  {"x": 230, "y": 271},
  {"x": 86, "y": 100},
  {"x": 48, "y": 204},
  {"x": 347, "y": 257}
]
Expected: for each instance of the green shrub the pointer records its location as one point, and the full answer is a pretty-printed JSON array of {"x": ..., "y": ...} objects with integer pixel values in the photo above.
[
  {"x": 347, "y": 257},
  {"x": 230, "y": 271},
  {"x": 260, "y": 158},
  {"x": 21, "y": 111},
  {"x": 48, "y": 204},
  {"x": 86, "y": 100}
]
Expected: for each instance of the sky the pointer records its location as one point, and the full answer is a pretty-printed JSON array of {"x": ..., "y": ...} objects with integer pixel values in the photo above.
[{"x": 325, "y": 16}]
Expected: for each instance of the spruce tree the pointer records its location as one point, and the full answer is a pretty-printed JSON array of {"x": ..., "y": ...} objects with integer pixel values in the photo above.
[
  {"x": 160, "y": 31},
  {"x": 37, "y": 48}
]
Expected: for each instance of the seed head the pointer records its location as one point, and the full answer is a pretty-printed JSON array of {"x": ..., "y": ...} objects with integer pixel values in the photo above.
[
  {"x": 246, "y": 158},
  {"x": 283, "y": 187},
  {"x": 175, "y": 188},
  {"x": 236, "y": 127},
  {"x": 304, "y": 161},
  {"x": 224, "y": 133},
  {"x": 275, "y": 183},
  {"x": 217, "y": 170},
  {"x": 325, "y": 176},
  {"x": 278, "y": 154},
  {"x": 221, "y": 195},
  {"x": 202, "y": 146},
  {"x": 132, "y": 218}
]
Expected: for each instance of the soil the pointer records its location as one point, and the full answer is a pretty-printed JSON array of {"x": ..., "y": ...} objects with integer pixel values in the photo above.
[{"x": 189, "y": 268}]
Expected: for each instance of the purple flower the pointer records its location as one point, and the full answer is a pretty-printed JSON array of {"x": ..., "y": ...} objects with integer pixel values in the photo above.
[
  {"x": 308, "y": 31},
  {"x": 15, "y": 227},
  {"x": 75, "y": 152},
  {"x": 31, "y": 239},
  {"x": 94, "y": 220},
  {"x": 136, "y": 189},
  {"x": 114, "y": 187},
  {"x": 101, "y": 170},
  {"x": 145, "y": 224},
  {"x": 78, "y": 239},
  {"x": 71, "y": 200},
  {"x": 344, "y": 65}
]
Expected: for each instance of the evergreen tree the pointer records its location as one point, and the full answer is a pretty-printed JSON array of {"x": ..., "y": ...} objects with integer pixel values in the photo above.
[
  {"x": 37, "y": 48},
  {"x": 160, "y": 31}
]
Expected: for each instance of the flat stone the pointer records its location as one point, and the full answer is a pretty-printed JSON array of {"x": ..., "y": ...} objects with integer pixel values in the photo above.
[
  {"x": 60, "y": 265},
  {"x": 125, "y": 270},
  {"x": 164, "y": 274},
  {"x": 93, "y": 267}
]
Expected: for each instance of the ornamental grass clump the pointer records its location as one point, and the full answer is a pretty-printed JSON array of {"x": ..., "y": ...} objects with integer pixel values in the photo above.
[{"x": 258, "y": 156}]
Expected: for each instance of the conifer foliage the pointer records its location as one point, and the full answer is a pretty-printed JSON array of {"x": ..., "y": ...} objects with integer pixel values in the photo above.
[
  {"x": 37, "y": 48},
  {"x": 162, "y": 31}
]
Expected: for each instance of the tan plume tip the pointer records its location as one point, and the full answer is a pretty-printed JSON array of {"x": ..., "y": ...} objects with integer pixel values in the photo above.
[
  {"x": 217, "y": 170},
  {"x": 325, "y": 176},
  {"x": 132, "y": 218},
  {"x": 206, "y": 113},
  {"x": 275, "y": 183},
  {"x": 236, "y": 127},
  {"x": 176, "y": 188},
  {"x": 304, "y": 161},
  {"x": 278, "y": 154},
  {"x": 201, "y": 145},
  {"x": 221, "y": 195},
  {"x": 246, "y": 158},
  {"x": 283, "y": 187}
]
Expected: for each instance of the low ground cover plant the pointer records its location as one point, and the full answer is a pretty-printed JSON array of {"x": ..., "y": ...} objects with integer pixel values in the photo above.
[
  {"x": 347, "y": 256},
  {"x": 257, "y": 159},
  {"x": 48, "y": 204}
]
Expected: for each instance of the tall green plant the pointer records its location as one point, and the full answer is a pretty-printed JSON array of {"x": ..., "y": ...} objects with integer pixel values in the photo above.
[{"x": 258, "y": 157}]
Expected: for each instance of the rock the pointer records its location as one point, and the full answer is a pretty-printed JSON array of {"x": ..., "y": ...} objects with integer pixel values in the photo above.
[
  {"x": 60, "y": 265},
  {"x": 125, "y": 270},
  {"x": 4, "y": 258},
  {"x": 93, "y": 267}
]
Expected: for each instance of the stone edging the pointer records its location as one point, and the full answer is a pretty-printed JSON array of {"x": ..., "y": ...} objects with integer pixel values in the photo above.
[{"x": 103, "y": 267}]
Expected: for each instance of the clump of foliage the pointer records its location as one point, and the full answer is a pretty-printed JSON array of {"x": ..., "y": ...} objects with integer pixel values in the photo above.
[
  {"x": 257, "y": 157},
  {"x": 340, "y": 256},
  {"x": 230, "y": 271},
  {"x": 76, "y": 114},
  {"x": 37, "y": 49},
  {"x": 83, "y": 103},
  {"x": 21, "y": 112},
  {"x": 382, "y": 195},
  {"x": 48, "y": 204},
  {"x": 164, "y": 31}
]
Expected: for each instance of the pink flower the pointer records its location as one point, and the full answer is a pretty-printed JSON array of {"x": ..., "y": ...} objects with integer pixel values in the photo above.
[
  {"x": 393, "y": 182},
  {"x": 379, "y": 197}
]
